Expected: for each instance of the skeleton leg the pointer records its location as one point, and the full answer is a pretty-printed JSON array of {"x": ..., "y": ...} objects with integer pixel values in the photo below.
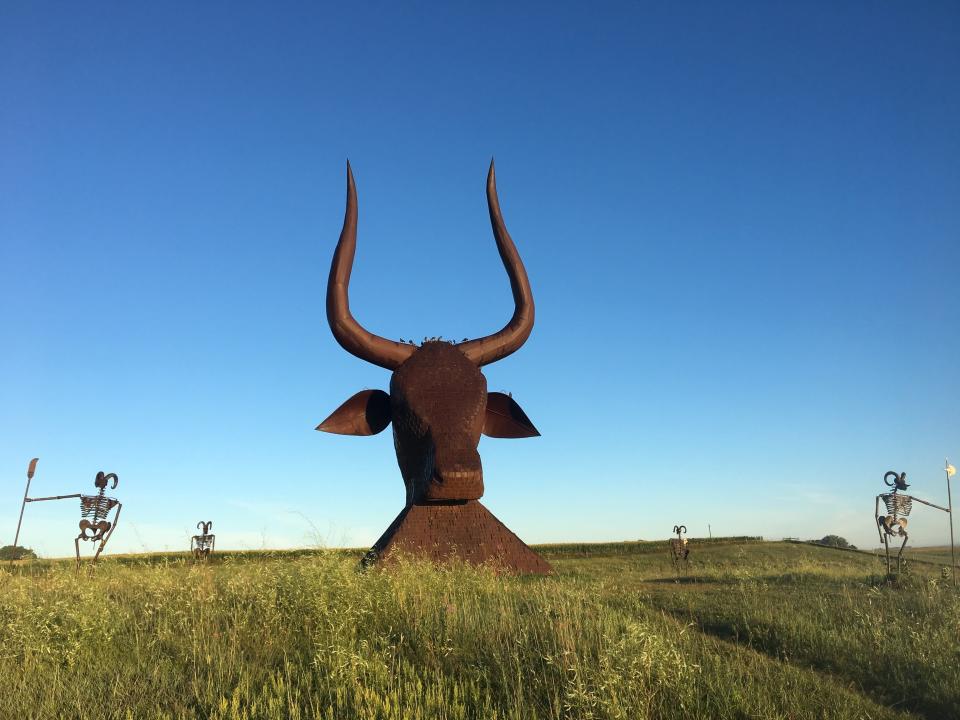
[
  {"x": 886, "y": 547},
  {"x": 902, "y": 546},
  {"x": 76, "y": 545}
]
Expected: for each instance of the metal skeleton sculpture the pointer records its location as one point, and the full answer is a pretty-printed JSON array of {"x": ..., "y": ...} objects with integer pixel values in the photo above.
[
  {"x": 679, "y": 549},
  {"x": 439, "y": 406},
  {"x": 898, "y": 507},
  {"x": 94, "y": 511},
  {"x": 203, "y": 544}
]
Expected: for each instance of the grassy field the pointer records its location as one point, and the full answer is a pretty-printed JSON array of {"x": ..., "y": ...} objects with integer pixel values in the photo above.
[
  {"x": 936, "y": 554},
  {"x": 748, "y": 630}
]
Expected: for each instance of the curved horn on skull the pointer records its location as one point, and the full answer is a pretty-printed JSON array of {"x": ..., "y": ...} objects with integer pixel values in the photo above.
[
  {"x": 491, "y": 348},
  {"x": 347, "y": 331}
]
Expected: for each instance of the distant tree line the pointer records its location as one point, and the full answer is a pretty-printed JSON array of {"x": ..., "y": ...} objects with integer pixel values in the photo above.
[
  {"x": 834, "y": 541},
  {"x": 16, "y": 552}
]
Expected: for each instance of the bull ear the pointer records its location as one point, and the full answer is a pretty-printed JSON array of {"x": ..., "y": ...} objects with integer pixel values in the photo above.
[
  {"x": 366, "y": 413},
  {"x": 506, "y": 419}
]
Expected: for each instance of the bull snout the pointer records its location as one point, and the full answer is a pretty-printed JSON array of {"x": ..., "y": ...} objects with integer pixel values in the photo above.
[{"x": 456, "y": 475}]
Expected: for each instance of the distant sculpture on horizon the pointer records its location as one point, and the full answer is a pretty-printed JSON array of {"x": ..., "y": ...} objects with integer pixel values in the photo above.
[
  {"x": 203, "y": 544},
  {"x": 439, "y": 406},
  {"x": 679, "y": 546}
]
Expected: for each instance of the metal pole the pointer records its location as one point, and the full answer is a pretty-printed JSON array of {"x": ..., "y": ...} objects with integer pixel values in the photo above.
[
  {"x": 710, "y": 530},
  {"x": 953, "y": 559},
  {"x": 30, "y": 470}
]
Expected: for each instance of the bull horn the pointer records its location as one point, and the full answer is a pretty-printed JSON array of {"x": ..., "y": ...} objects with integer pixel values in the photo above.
[
  {"x": 347, "y": 331},
  {"x": 491, "y": 348}
]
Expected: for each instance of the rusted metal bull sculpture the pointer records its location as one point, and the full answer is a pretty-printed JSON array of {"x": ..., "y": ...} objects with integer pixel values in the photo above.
[{"x": 439, "y": 406}]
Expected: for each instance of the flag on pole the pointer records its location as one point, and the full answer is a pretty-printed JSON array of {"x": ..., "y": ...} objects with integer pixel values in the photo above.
[{"x": 951, "y": 470}]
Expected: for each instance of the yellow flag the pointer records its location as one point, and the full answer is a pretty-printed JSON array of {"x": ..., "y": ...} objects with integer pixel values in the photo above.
[{"x": 951, "y": 471}]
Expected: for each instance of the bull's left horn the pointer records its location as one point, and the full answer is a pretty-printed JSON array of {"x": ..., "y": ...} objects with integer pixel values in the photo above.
[
  {"x": 347, "y": 331},
  {"x": 491, "y": 348}
]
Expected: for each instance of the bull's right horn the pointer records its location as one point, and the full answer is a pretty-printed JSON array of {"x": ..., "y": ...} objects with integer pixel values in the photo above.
[{"x": 491, "y": 348}]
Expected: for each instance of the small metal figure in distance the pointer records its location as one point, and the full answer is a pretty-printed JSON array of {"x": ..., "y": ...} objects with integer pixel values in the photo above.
[
  {"x": 202, "y": 545},
  {"x": 679, "y": 550}
]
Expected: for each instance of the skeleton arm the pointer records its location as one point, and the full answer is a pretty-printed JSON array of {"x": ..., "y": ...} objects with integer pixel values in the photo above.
[
  {"x": 52, "y": 497},
  {"x": 916, "y": 499},
  {"x": 116, "y": 519},
  {"x": 105, "y": 537},
  {"x": 876, "y": 516}
]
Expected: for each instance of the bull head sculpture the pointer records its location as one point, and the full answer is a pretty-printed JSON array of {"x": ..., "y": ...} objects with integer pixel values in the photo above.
[{"x": 438, "y": 400}]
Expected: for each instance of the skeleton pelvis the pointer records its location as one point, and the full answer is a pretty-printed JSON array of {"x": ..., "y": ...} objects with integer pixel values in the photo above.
[
  {"x": 97, "y": 530},
  {"x": 893, "y": 526}
]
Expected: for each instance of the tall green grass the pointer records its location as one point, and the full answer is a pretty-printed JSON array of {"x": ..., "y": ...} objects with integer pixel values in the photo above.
[
  {"x": 823, "y": 609},
  {"x": 315, "y": 638},
  {"x": 311, "y": 637},
  {"x": 898, "y": 643}
]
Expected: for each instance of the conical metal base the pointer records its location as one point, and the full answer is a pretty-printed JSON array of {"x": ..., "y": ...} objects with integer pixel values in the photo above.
[{"x": 465, "y": 530}]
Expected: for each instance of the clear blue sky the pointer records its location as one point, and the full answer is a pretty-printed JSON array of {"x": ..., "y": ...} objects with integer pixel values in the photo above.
[{"x": 741, "y": 223}]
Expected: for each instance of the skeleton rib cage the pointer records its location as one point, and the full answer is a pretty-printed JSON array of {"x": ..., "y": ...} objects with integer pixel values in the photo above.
[
  {"x": 202, "y": 543},
  {"x": 96, "y": 507},
  {"x": 897, "y": 505}
]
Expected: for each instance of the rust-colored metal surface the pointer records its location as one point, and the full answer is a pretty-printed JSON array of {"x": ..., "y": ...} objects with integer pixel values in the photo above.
[
  {"x": 31, "y": 469},
  {"x": 466, "y": 531},
  {"x": 439, "y": 406},
  {"x": 94, "y": 510},
  {"x": 679, "y": 547},
  {"x": 203, "y": 544}
]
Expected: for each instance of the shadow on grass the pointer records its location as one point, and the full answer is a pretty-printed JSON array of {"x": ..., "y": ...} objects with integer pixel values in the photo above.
[
  {"x": 689, "y": 580},
  {"x": 907, "y": 694}
]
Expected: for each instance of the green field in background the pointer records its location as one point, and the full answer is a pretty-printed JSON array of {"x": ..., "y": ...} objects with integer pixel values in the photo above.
[{"x": 748, "y": 629}]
